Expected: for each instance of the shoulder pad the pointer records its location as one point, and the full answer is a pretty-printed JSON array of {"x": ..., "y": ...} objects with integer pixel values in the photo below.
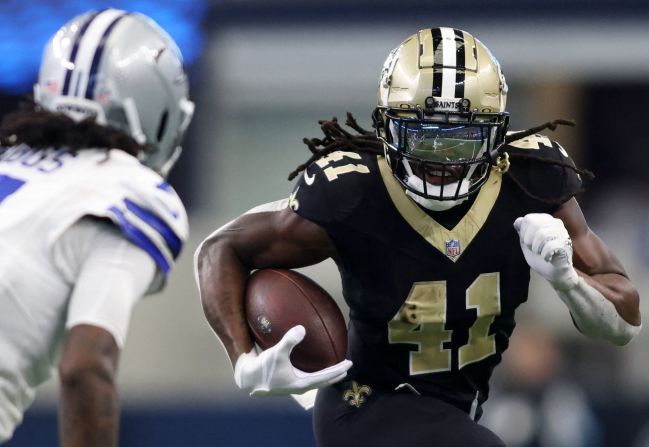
[
  {"x": 544, "y": 168},
  {"x": 151, "y": 215},
  {"x": 331, "y": 186},
  {"x": 538, "y": 145}
]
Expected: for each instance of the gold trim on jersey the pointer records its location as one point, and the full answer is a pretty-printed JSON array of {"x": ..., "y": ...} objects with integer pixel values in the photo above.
[{"x": 435, "y": 233}]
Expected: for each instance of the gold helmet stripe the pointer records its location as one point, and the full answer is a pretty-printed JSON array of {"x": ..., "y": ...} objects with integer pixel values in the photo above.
[{"x": 471, "y": 52}]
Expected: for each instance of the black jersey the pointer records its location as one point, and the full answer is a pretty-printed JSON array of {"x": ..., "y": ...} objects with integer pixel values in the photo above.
[{"x": 431, "y": 301}]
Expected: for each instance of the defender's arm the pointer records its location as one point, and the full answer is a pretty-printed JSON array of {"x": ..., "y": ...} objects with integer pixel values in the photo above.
[
  {"x": 89, "y": 409},
  {"x": 111, "y": 276}
]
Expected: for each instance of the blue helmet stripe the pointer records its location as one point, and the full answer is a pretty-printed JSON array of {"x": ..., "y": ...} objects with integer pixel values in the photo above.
[
  {"x": 96, "y": 59},
  {"x": 140, "y": 239},
  {"x": 75, "y": 50},
  {"x": 173, "y": 242}
]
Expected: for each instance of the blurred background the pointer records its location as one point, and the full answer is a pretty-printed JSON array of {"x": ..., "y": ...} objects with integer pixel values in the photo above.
[{"x": 262, "y": 73}]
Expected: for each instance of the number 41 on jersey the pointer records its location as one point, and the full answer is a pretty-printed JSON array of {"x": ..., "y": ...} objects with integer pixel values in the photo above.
[{"x": 422, "y": 319}]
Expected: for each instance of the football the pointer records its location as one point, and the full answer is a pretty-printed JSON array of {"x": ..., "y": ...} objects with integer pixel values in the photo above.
[{"x": 277, "y": 300}]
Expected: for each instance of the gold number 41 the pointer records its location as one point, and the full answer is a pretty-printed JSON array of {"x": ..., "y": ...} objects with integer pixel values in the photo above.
[
  {"x": 332, "y": 172},
  {"x": 422, "y": 318}
]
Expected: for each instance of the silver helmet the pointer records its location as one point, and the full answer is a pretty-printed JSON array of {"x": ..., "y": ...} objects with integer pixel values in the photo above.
[{"x": 125, "y": 71}]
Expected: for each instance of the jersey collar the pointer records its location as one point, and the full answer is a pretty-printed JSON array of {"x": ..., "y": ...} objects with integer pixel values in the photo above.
[{"x": 451, "y": 243}]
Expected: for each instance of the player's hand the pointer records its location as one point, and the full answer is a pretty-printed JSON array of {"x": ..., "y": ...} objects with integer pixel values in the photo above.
[
  {"x": 547, "y": 248},
  {"x": 271, "y": 372}
]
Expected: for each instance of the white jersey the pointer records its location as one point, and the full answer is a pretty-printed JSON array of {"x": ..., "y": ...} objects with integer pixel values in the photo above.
[{"x": 42, "y": 195}]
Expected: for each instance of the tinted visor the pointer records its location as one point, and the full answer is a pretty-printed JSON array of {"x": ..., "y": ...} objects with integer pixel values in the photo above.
[{"x": 441, "y": 143}]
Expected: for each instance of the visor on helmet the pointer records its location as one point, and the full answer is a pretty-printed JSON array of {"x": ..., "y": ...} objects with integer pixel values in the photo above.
[
  {"x": 440, "y": 142},
  {"x": 450, "y": 153}
]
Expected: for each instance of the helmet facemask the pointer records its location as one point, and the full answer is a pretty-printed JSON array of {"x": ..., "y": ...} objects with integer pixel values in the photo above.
[{"x": 440, "y": 156}]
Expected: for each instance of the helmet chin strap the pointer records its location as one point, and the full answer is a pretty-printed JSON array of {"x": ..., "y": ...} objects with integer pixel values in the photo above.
[{"x": 431, "y": 204}]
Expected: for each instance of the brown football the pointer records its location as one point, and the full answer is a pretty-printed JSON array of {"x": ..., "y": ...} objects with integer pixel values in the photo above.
[{"x": 277, "y": 300}]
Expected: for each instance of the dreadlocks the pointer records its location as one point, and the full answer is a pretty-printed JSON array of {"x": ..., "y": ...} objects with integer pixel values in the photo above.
[
  {"x": 337, "y": 138},
  {"x": 552, "y": 125},
  {"x": 40, "y": 129}
]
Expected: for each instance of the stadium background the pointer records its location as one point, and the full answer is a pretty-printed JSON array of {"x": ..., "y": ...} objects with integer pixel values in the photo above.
[{"x": 262, "y": 74}]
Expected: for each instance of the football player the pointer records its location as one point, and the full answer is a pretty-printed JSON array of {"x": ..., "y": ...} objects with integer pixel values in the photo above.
[
  {"x": 88, "y": 224},
  {"x": 434, "y": 223}
]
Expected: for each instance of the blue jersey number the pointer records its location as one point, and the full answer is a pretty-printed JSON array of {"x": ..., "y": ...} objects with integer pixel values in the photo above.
[
  {"x": 44, "y": 161},
  {"x": 8, "y": 186}
]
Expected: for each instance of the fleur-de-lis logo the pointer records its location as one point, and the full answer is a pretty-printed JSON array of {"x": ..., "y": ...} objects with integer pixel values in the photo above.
[{"x": 357, "y": 394}]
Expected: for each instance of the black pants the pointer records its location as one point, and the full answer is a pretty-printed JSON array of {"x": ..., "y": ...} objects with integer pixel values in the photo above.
[{"x": 348, "y": 416}]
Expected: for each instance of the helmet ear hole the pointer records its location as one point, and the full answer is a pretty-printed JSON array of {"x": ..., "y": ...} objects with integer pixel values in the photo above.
[
  {"x": 117, "y": 117},
  {"x": 162, "y": 126}
]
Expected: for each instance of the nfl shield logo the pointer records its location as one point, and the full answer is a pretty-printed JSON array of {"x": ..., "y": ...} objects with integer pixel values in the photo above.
[{"x": 453, "y": 248}]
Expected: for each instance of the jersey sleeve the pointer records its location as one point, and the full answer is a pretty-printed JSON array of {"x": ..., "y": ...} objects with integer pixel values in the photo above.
[
  {"x": 152, "y": 217},
  {"x": 331, "y": 187},
  {"x": 543, "y": 168},
  {"x": 109, "y": 275}
]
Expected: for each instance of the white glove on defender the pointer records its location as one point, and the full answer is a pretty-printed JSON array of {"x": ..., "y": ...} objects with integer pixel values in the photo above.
[
  {"x": 271, "y": 373},
  {"x": 547, "y": 248}
]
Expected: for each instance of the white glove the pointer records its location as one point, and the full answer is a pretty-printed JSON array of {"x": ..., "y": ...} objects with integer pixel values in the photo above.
[
  {"x": 271, "y": 372},
  {"x": 547, "y": 248}
]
